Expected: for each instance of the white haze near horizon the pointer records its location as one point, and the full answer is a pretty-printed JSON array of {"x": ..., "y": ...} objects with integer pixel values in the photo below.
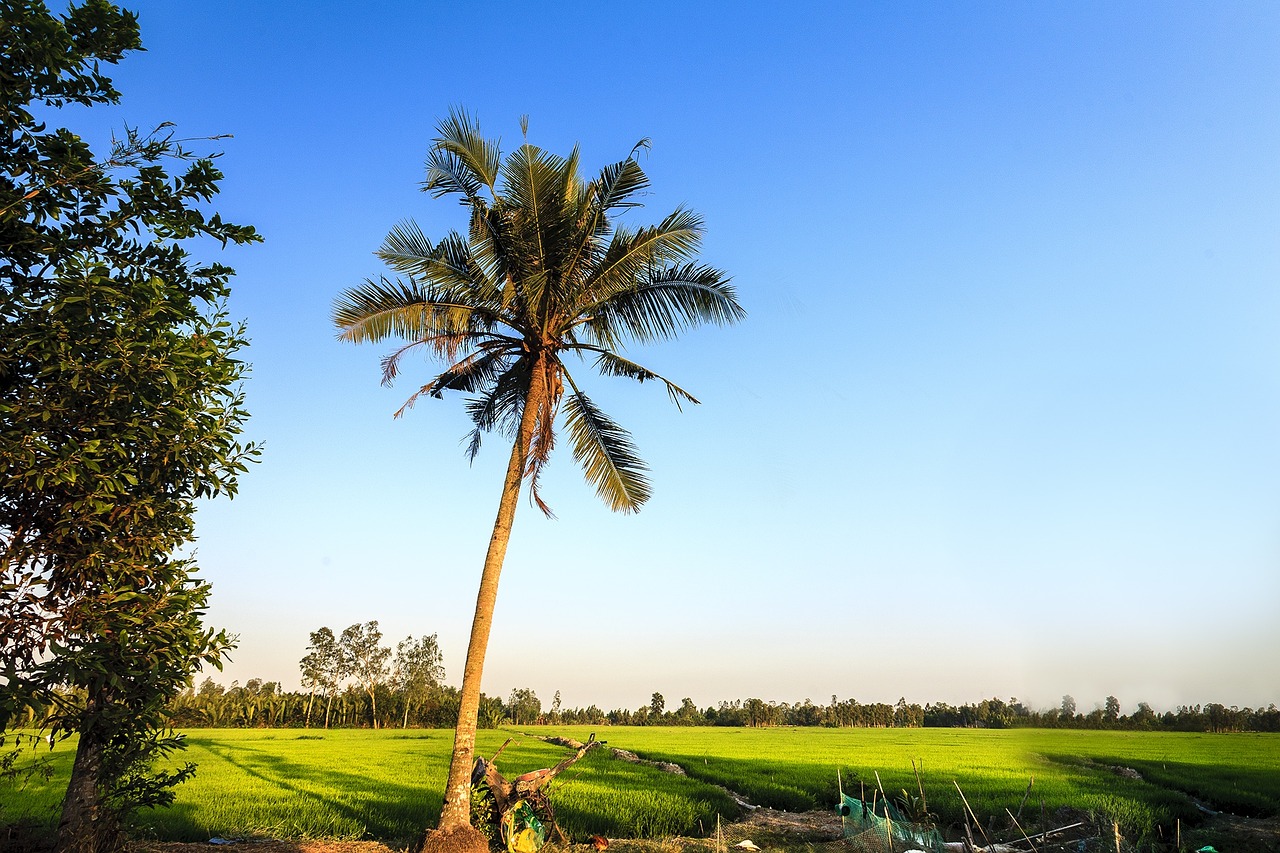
[{"x": 1003, "y": 420}]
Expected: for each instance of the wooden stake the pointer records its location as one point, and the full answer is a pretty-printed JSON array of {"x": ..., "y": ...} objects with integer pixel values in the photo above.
[
  {"x": 1178, "y": 843},
  {"x": 1020, "y": 829},
  {"x": 1115, "y": 825},
  {"x": 964, "y": 800},
  {"x": 1030, "y": 782},
  {"x": 924, "y": 804}
]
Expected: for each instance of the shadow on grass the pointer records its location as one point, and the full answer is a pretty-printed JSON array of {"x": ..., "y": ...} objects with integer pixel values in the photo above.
[{"x": 382, "y": 809}]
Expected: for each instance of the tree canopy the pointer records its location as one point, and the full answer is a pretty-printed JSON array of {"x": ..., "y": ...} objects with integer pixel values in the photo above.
[{"x": 120, "y": 408}]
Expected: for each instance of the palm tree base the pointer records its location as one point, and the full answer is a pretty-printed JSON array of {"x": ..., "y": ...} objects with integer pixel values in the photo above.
[{"x": 460, "y": 839}]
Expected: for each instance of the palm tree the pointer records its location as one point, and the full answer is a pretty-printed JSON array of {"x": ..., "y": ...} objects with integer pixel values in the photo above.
[{"x": 542, "y": 273}]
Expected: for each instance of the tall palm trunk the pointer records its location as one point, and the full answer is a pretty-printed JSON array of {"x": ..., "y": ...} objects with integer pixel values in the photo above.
[{"x": 457, "y": 795}]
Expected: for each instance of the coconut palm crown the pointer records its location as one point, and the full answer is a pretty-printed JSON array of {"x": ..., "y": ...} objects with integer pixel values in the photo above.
[{"x": 542, "y": 272}]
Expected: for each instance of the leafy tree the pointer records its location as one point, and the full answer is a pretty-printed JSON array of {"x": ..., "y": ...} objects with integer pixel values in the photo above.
[
  {"x": 555, "y": 708},
  {"x": 366, "y": 660},
  {"x": 688, "y": 714},
  {"x": 542, "y": 273},
  {"x": 1112, "y": 712},
  {"x": 524, "y": 706},
  {"x": 1068, "y": 708},
  {"x": 323, "y": 667},
  {"x": 657, "y": 704},
  {"x": 417, "y": 671},
  {"x": 120, "y": 407}
]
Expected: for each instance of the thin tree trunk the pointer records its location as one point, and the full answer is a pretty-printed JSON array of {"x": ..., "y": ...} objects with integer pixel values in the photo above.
[
  {"x": 373, "y": 701},
  {"x": 457, "y": 795},
  {"x": 310, "y": 699},
  {"x": 327, "y": 710},
  {"x": 87, "y": 826},
  {"x": 405, "y": 724}
]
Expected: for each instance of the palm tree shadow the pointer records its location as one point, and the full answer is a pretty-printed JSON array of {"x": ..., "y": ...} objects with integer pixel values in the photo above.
[{"x": 391, "y": 811}]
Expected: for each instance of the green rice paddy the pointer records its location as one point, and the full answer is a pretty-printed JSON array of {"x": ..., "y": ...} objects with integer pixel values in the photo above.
[{"x": 388, "y": 784}]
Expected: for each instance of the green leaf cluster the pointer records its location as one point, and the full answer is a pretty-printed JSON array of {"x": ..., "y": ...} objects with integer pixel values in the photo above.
[
  {"x": 120, "y": 401},
  {"x": 543, "y": 271}
]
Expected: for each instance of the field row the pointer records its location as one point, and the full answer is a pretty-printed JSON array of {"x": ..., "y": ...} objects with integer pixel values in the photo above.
[{"x": 388, "y": 784}]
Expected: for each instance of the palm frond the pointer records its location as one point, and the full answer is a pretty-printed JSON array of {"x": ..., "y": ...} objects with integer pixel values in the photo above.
[
  {"x": 629, "y": 254},
  {"x": 608, "y": 458},
  {"x": 617, "y": 183},
  {"x": 405, "y": 245},
  {"x": 540, "y": 270},
  {"x": 543, "y": 440},
  {"x": 664, "y": 303},
  {"x": 445, "y": 346},
  {"x": 475, "y": 372},
  {"x": 500, "y": 406},
  {"x": 461, "y": 160},
  {"x": 466, "y": 375},
  {"x": 611, "y": 364},
  {"x": 413, "y": 310}
]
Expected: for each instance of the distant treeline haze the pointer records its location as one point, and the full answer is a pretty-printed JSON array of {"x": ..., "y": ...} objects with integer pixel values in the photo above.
[{"x": 352, "y": 681}]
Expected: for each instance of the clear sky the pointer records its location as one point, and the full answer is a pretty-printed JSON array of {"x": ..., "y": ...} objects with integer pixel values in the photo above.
[{"x": 1004, "y": 419}]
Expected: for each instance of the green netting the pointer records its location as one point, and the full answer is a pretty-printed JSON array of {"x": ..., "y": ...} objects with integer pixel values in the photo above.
[{"x": 882, "y": 828}]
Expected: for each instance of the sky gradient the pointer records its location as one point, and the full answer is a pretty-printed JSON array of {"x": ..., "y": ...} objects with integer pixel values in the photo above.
[{"x": 1003, "y": 419}]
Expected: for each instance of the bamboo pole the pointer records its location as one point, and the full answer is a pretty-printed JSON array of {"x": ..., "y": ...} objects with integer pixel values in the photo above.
[
  {"x": 1030, "y": 782},
  {"x": 924, "y": 804},
  {"x": 969, "y": 809},
  {"x": 1020, "y": 829}
]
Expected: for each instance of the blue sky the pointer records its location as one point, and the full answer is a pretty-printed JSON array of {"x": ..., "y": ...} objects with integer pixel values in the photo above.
[{"x": 1003, "y": 418}]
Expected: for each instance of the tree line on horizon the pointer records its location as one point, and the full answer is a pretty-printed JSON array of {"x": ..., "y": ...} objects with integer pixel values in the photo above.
[
  {"x": 352, "y": 680},
  {"x": 260, "y": 703},
  {"x": 362, "y": 683}
]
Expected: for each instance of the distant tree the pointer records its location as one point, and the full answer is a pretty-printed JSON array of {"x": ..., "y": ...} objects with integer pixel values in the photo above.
[
  {"x": 555, "y": 708},
  {"x": 416, "y": 671},
  {"x": 210, "y": 688},
  {"x": 366, "y": 660},
  {"x": 1112, "y": 712},
  {"x": 492, "y": 712},
  {"x": 1068, "y": 708},
  {"x": 657, "y": 704},
  {"x": 542, "y": 277},
  {"x": 119, "y": 409},
  {"x": 325, "y": 664},
  {"x": 688, "y": 713},
  {"x": 524, "y": 706}
]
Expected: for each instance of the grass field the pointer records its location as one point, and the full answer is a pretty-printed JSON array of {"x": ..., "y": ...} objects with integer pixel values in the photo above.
[{"x": 387, "y": 785}]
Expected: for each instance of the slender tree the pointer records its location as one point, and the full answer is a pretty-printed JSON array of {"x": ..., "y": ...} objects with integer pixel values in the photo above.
[
  {"x": 325, "y": 663},
  {"x": 416, "y": 671},
  {"x": 542, "y": 273},
  {"x": 366, "y": 660}
]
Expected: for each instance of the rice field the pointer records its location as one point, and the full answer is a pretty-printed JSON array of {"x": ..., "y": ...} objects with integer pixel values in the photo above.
[
  {"x": 388, "y": 784},
  {"x": 798, "y": 769}
]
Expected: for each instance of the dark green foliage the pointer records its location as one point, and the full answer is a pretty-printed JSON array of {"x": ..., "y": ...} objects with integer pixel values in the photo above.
[{"x": 120, "y": 407}]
